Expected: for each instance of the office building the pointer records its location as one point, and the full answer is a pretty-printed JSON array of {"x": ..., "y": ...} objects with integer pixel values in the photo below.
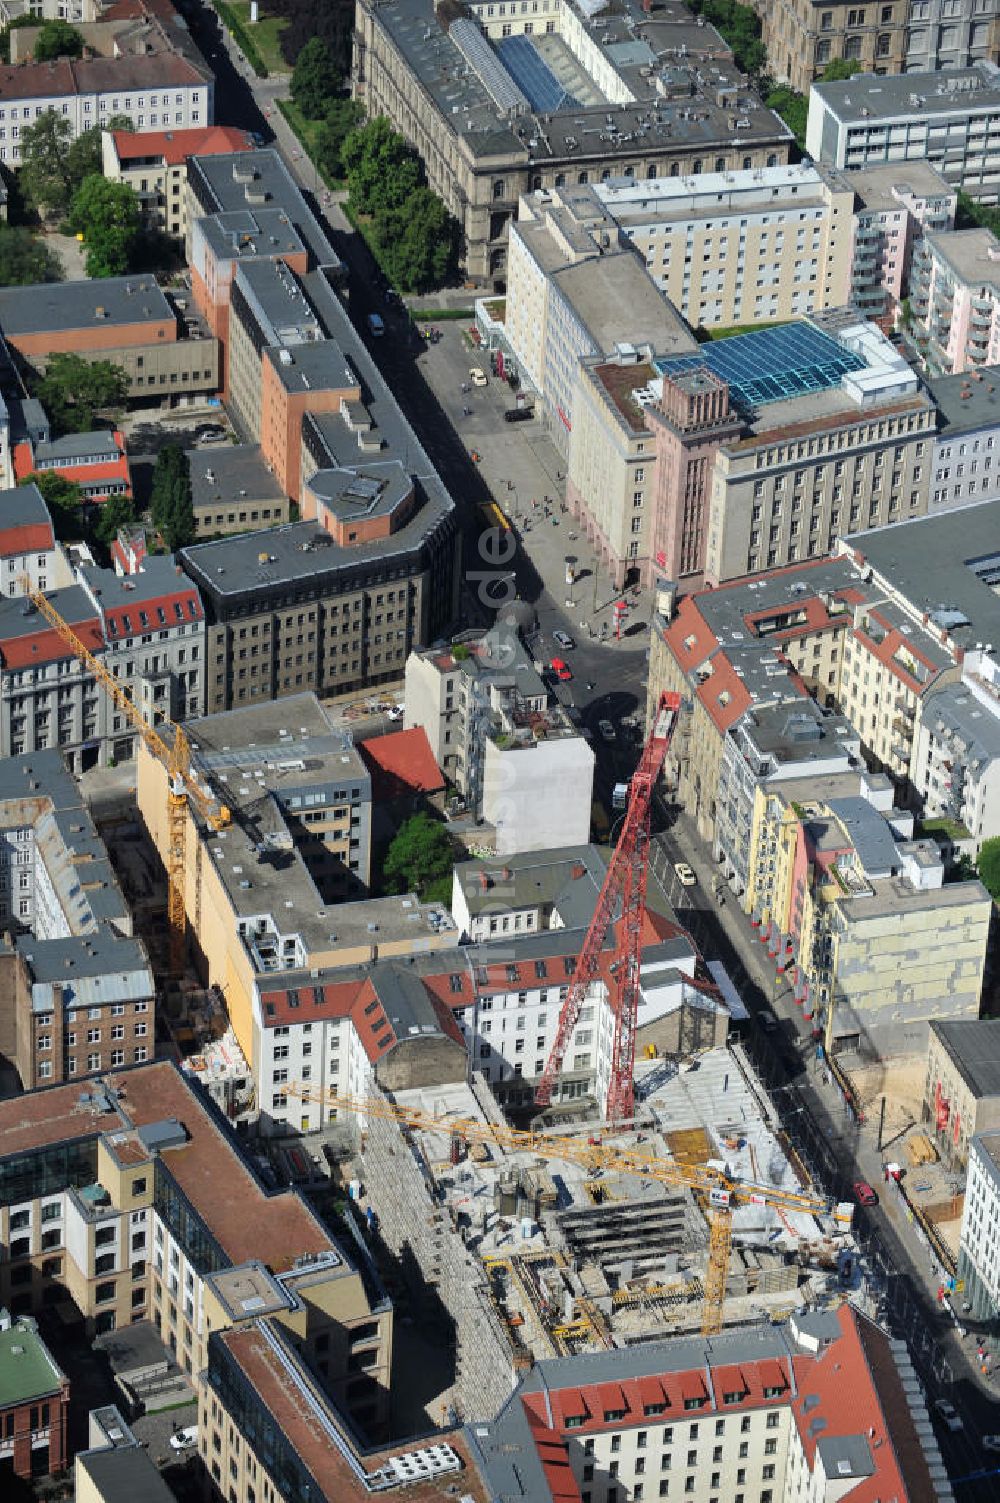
[
  {"x": 500, "y": 105},
  {"x": 821, "y": 1405},
  {"x": 34, "y": 1402},
  {"x": 966, "y": 464},
  {"x": 232, "y": 490},
  {"x": 962, "y": 1085},
  {"x": 576, "y": 289},
  {"x": 950, "y": 119},
  {"x": 955, "y": 301},
  {"x": 514, "y": 756},
  {"x": 154, "y": 164},
  {"x": 721, "y": 245},
  {"x": 757, "y": 451},
  {"x": 78, "y": 992},
  {"x": 127, "y": 320},
  {"x": 803, "y": 37}
]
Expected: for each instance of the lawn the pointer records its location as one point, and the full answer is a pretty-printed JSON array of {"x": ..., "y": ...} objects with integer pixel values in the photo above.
[
  {"x": 727, "y": 333},
  {"x": 306, "y": 130},
  {"x": 951, "y": 829},
  {"x": 265, "y": 35}
]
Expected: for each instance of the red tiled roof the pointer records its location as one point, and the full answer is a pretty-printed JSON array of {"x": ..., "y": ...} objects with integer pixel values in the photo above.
[
  {"x": 46, "y": 646},
  {"x": 175, "y": 146},
  {"x": 31, "y": 537},
  {"x": 401, "y": 763},
  {"x": 150, "y": 606}
]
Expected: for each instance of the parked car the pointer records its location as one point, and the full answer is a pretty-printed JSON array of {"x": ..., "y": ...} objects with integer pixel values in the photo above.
[
  {"x": 606, "y": 729},
  {"x": 376, "y": 325},
  {"x": 991, "y": 1443},
  {"x": 685, "y": 875},
  {"x": 183, "y": 1440},
  {"x": 518, "y": 414},
  {"x": 948, "y": 1414},
  {"x": 394, "y": 712},
  {"x": 767, "y": 1022},
  {"x": 864, "y": 1194},
  {"x": 478, "y": 377},
  {"x": 562, "y": 670},
  {"x": 564, "y": 639}
]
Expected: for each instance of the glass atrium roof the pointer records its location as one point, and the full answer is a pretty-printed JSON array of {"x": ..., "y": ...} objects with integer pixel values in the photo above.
[{"x": 770, "y": 364}]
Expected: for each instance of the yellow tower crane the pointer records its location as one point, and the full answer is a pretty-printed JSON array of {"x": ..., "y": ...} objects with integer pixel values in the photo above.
[
  {"x": 720, "y": 1191},
  {"x": 174, "y": 756}
]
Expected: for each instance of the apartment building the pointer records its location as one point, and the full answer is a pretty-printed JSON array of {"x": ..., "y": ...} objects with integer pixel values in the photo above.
[
  {"x": 96, "y": 462},
  {"x": 734, "y": 1417},
  {"x": 77, "y": 986},
  {"x": 715, "y": 241},
  {"x": 28, "y": 547},
  {"x": 275, "y": 890},
  {"x": 893, "y": 206},
  {"x": 154, "y": 164},
  {"x": 575, "y": 290},
  {"x": 132, "y": 1201},
  {"x": 962, "y": 1085},
  {"x": 514, "y": 756},
  {"x": 127, "y": 320},
  {"x": 955, "y": 301},
  {"x": 34, "y": 1407},
  {"x": 857, "y": 909},
  {"x": 977, "y": 1263},
  {"x": 755, "y": 452},
  {"x": 966, "y": 463},
  {"x": 803, "y": 37},
  {"x": 499, "y": 105},
  {"x": 164, "y": 90},
  {"x": 951, "y": 120},
  {"x": 232, "y": 490}
]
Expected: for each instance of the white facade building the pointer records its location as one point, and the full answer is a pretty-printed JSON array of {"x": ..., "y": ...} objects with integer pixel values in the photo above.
[
  {"x": 978, "y": 1263},
  {"x": 965, "y": 467}
]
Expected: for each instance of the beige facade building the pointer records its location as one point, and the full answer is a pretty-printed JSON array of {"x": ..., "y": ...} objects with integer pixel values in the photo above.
[
  {"x": 741, "y": 247},
  {"x": 154, "y": 164},
  {"x": 962, "y": 1085},
  {"x": 501, "y": 102}
]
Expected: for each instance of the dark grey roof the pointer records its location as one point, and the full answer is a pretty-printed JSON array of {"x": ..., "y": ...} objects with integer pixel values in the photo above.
[
  {"x": 965, "y": 403},
  {"x": 963, "y": 546},
  {"x": 158, "y": 576},
  {"x": 54, "y": 307},
  {"x": 231, "y": 472},
  {"x": 100, "y": 952},
  {"x": 248, "y": 234},
  {"x": 973, "y": 1046},
  {"x": 845, "y": 1456},
  {"x": 955, "y": 714},
  {"x": 372, "y": 490},
  {"x": 125, "y": 1474},
  {"x": 224, "y": 183},
  {"x": 869, "y": 834},
  {"x": 869, "y": 97},
  {"x": 21, "y": 505},
  {"x": 78, "y": 446},
  {"x": 19, "y": 618}
]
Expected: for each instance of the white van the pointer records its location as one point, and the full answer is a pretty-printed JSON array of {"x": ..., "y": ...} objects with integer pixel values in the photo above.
[{"x": 375, "y": 325}]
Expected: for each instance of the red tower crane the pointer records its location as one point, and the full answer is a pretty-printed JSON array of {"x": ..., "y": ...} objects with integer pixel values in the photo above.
[{"x": 625, "y": 879}]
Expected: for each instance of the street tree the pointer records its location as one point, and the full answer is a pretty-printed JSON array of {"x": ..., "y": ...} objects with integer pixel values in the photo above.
[
  {"x": 85, "y": 155},
  {"x": 420, "y": 859},
  {"x": 382, "y": 169},
  {"x": 315, "y": 79},
  {"x": 113, "y": 514},
  {"x": 57, "y": 39},
  {"x": 74, "y": 391},
  {"x": 107, "y": 215},
  {"x": 45, "y": 171},
  {"x": 341, "y": 117},
  {"x": 171, "y": 504},
  {"x": 417, "y": 243}
]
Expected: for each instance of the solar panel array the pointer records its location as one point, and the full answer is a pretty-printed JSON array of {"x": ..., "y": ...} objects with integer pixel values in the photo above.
[
  {"x": 533, "y": 75},
  {"x": 770, "y": 365},
  {"x": 491, "y": 72}
]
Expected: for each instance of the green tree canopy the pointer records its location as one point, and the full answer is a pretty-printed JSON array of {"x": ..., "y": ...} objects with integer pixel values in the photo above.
[
  {"x": 107, "y": 215},
  {"x": 420, "y": 859},
  {"x": 315, "y": 79},
  {"x": 793, "y": 109},
  {"x": 989, "y": 867},
  {"x": 64, "y": 498},
  {"x": 740, "y": 26},
  {"x": 45, "y": 171},
  {"x": 417, "y": 243},
  {"x": 341, "y": 117},
  {"x": 24, "y": 259},
  {"x": 382, "y": 169},
  {"x": 114, "y": 513},
  {"x": 840, "y": 67},
  {"x": 171, "y": 505},
  {"x": 57, "y": 39},
  {"x": 74, "y": 391}
]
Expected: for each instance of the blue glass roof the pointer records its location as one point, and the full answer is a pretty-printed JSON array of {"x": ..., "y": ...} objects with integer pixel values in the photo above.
[
  {"x": 533, "y": 75},
  {"x": 770, "y": 364}
]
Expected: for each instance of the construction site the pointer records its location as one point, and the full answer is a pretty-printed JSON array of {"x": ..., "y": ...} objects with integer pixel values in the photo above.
[{"x": 542, "y": 1254}]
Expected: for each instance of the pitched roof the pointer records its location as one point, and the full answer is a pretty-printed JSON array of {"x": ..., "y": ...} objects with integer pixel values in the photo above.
[
  {"x": 400, "y": 763},
  {"x": 175, "y": 146}
]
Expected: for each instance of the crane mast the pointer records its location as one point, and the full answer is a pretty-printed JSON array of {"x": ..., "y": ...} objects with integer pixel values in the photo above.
[
  {"x": 625, "y": 880},
  {"x": 174, "y": 755}
]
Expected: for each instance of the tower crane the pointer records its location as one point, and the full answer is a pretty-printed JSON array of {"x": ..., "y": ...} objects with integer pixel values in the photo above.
[
  {"x": 174, "y": 755},
  {"x": 720, "y": 1191},
  {"x": 625, "y": 879}
]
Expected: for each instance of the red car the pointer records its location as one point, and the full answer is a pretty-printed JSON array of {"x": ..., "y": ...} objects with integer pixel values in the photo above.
[
  {"x": 562, "y": 670},
  {"x": 864, "y": 1194}
]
